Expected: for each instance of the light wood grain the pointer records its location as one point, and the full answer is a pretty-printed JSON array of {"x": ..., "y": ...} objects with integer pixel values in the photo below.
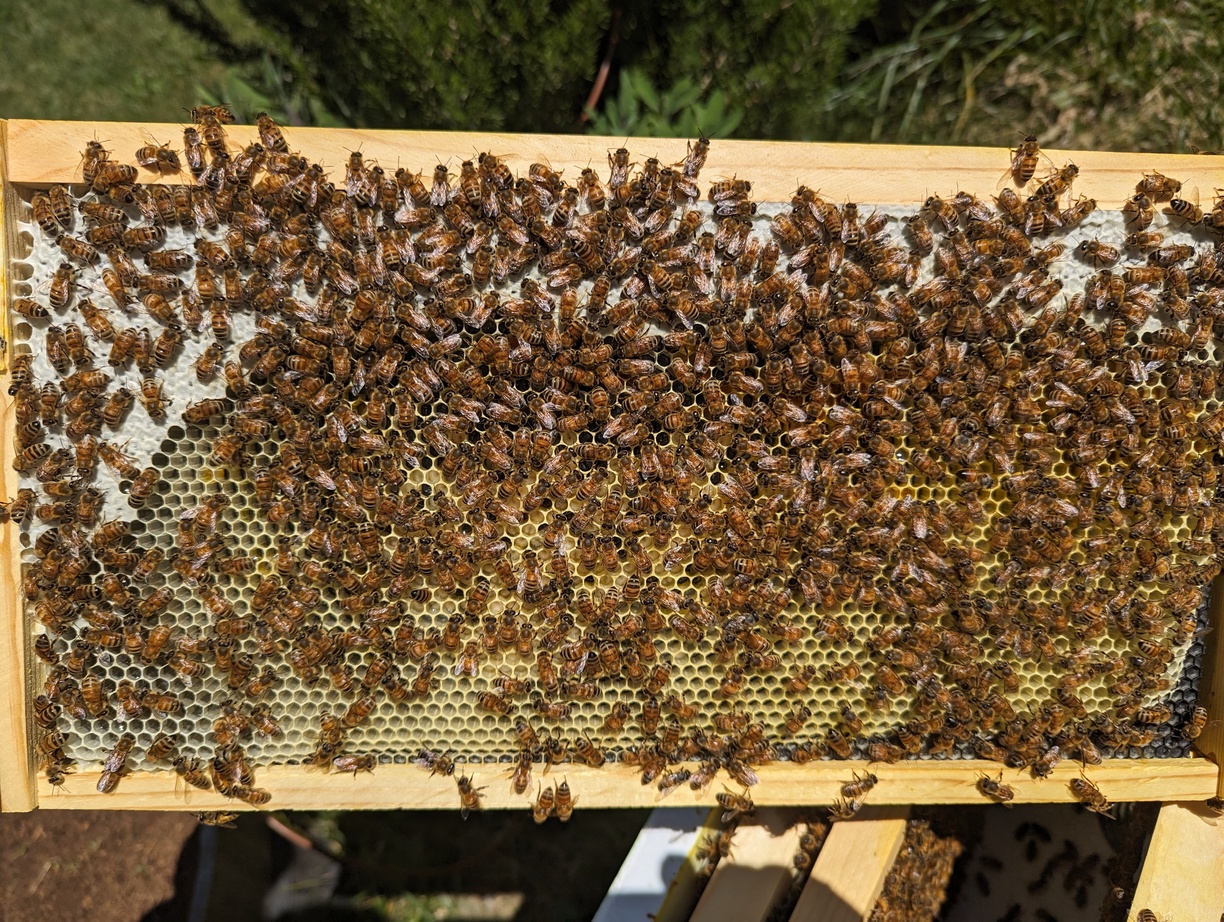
[
  {"x": 782, "y": 784},
  {"x": 1211, "y": 684},
  {"x": 43, "y": 152},
  {"x": 1183, "y": 872},
  {"x": 17, "y": 788},
  {"x": 850, "y": 870},
  {"x": 758, "y": 872}
]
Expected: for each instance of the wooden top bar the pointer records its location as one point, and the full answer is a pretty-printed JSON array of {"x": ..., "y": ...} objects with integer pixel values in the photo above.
[{"x": 44, "y": 152}]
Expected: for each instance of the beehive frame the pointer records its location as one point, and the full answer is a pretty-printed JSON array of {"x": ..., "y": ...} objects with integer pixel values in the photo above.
[{"x": 36, "y": 154}]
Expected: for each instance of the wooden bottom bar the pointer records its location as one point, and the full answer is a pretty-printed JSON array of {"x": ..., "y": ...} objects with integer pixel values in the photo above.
[
  {"x": 782, "y": 784},
  {"x": 1183, "y": 871},
  {"x": 850, "y": 870},
  {"x": 759, "y": 870}
]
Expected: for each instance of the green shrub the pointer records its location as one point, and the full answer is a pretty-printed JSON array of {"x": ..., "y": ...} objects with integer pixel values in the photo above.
[
  {"x": 775, "y": 60},
  {"x": 497, "y": 65},
  {"x": 528, "y": 65},
  {"x": 639, "y": 109}
]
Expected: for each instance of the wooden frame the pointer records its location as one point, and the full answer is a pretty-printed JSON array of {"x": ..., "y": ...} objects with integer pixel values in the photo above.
[{"x": 35, "y": 154}]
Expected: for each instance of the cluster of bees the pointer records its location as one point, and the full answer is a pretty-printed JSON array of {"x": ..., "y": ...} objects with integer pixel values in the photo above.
[
  {"x": 917, "y": 885},
  {"x": 659, "y": 383}
]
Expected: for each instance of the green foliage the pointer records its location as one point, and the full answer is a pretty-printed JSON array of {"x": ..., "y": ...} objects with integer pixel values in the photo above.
[
  {"x": 517, "y": 65},
  {"x": 271, "y": 89},
  {"x": 1124, "y": 74},
  {"x": 639, "y": 109},
  {"x": 775, "y": 60}
]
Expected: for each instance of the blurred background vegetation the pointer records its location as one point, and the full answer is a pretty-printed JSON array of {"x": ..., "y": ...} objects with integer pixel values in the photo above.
[{"x": 1120, "y": 74}]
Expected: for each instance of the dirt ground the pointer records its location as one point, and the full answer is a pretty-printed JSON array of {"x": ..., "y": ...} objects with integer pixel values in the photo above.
[
  {"x": 104, "y": 867},
  {"x": 400, "y": 866}
]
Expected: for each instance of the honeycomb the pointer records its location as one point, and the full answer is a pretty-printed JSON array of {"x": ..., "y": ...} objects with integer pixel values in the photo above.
[{"x": 756, "y": 343}]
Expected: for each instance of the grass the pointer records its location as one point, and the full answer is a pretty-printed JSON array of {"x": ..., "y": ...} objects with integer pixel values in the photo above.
[
  {"x": 120, "y": 60},
  {"x": 1107, "y": 74}
]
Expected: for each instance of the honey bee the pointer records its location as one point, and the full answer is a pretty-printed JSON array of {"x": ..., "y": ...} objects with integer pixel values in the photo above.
[
  {"x": 469, "y": 797},
  {"x": 1139, "y": 212},
  {"x": 1158, "y": 187},
  {"x": 192, "y": 772},
  {"x": 440, "y": 192},
  {"x": 995, "y": 790},
  {"x": 63, "y": 285},
  {"x": 616, "y": 719},
  {"x": 859, "y": 787},
  {"x": 347, "y": 762},
  {"x": 1024, "y": 160},
  {"x": 158, "y": 158},
  {"x": 142, "y": 487},
  {"x": 220, "y": 818},
  {"x": 117, "y": 406},
  {"x": 544, "y": 805},
  {"x": 1188, "y": 212},
  {"x": 1098, "y": 253},
  {"x": 842, "y": 809},
  {"x": 115, "y": 765},
  {"x": 1057, "y": 182},
  {"x": 163, "y": 748},
  {"x": 564, "y": 805},
  {"x": 1195, "y": 724},
  {"x": 1090, "y": 796}
]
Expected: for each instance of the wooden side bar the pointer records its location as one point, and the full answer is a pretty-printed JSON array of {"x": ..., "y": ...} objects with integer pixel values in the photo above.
[
  {"x": 757, "y": 873},
  {"x": 44, "y": 152},
  {"x": 850, "y": 870},
  {"x": 17, "y": 784},
  {"x": 1211, "y": 684},
  {"x": 1183, "y": 871},
  {"x": 782, "y": 784}
]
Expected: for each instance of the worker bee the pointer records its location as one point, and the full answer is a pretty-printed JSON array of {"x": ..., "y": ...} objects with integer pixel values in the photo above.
[
  {"x": 735, "y": 806},
  {"x": 995, "y": 790},
  {"x": 564, "y": 804},
  {"x": 1057, "y": 182},
  {"x": 469, "y": 797},
  {"x": 437, "y": 763},
  {"x": 116, "y": 407},
  {"x": 843, "y": 809},
  {"x": 543, "y": 805},
  {"x": 1097, "y": 253},
  {"x": 159, "y": 158},
  {"x": 859, "y": 787},
  {"x": 1024, "y": 160},
  {"x": 1188, "y": 212},
  {"x": 1194, "y": 725},
  {"x": 142, "y": 487},
  {"x": 152, "y": 399},
  {"x": 63, "y": 285},
  {"x": 348, "y": 762},
  {"x": 617, "y": 717},
  {"x": 1090, "y": 796},
  {"x": 1158, "y": 187}
]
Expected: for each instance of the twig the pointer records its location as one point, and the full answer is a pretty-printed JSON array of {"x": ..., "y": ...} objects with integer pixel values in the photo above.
[
  {"x": 601, "y": 78},
  {"x": 291, "y": 835}
]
